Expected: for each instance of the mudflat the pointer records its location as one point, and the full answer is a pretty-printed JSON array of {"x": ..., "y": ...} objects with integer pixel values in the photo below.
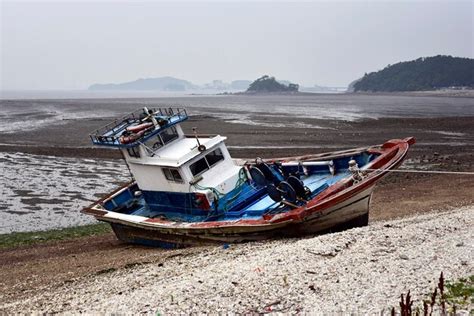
[{"x": 443, "y": 143}]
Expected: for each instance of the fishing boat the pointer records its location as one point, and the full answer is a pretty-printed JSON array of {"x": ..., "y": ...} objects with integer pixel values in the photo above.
[{"x": 187, "y": 190}]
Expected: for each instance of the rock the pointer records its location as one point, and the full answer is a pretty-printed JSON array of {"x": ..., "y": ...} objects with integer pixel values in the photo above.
[{"x": 404, "y": 257}]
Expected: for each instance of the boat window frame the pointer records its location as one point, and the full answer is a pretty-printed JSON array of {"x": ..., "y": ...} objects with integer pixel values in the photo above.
[
  {"x": 221, "y": 155},
  {"x": 175, "y": 135},
  {"x": 209, "y": 166},
  {"x": 171, "y": 176},
  {"x": 150, "y": 150},
  {"x": 133, "y": 152},
  {"x": 203, "y": 170},
  {"x": 150, "y": 144}
]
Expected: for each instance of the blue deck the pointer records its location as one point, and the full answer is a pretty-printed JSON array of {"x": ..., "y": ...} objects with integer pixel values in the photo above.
[{"x": 265, "y": 205}]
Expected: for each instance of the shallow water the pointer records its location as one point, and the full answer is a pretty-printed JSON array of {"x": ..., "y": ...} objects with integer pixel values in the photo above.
[
  {"x": 44, "y": 192},
  {"x": 279, "y": 111}
]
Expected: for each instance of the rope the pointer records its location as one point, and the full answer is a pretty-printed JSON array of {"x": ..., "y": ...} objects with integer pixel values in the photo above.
[
  {"x": 423, "y": 171},
  {"x": 238, "y": 185}
]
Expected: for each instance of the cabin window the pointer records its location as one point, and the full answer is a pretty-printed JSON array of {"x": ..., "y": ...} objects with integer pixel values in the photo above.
[
  {"x": 163, "y": 138},
  {"x": 172, "y": 174},
  {"x": 214, "y": 157},
  {"x": 169, "y": 134},
  {"x": 199, "y": 166},
  {"x": 153, "y": 144},
  {"x": 133, "y": 152},
  {"x": 206, "y": 162}
]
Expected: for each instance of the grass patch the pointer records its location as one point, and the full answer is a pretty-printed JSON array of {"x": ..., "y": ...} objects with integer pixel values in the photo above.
[
  {"x": 461, "y": 292},
  {"x": 28, "y": 238},
  {"x": 447, "y": 298}
]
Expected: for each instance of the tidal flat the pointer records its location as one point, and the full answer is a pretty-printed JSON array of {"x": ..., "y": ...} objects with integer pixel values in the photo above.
[{"x": 51, "y": 171}]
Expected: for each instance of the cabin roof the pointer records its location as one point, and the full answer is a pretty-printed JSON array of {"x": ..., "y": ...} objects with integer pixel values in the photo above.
[{"x": 180, "y": 151}]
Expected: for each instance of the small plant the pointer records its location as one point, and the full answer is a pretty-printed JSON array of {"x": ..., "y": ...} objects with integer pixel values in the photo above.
[
  {"x": 406, "y": 305},
  {"x": 446, "y": 298},
  {"x": 461, "y": 292}
]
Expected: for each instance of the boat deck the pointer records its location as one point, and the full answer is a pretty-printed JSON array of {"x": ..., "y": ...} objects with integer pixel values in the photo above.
[{"x": 264, "y": 205}]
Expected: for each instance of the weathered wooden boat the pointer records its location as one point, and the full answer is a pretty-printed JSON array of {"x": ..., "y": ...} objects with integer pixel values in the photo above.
[{"x": 187, "y": 190}]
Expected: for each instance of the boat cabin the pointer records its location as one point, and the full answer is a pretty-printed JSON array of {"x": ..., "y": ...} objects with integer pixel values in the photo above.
[{"x": 173, "y": 171}]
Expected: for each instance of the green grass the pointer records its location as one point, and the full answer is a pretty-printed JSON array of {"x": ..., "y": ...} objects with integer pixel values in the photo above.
[
  {"x": 460, "y": 292},
  {"x": 28, "y": 238}
]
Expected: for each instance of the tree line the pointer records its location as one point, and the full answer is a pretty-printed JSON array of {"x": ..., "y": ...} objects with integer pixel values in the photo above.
[
  {"x": 429, "y": 73},
  {"x": 270, "y": 84}
]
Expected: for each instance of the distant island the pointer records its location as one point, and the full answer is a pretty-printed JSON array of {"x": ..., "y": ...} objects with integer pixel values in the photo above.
[
  {"x": 429, "y": 73},
  {"x": 267, "y": 84},
  {"x": 149, "y": 84},
  {"x": 264, "y": 84},
  {"x": 170, "y": 84}
]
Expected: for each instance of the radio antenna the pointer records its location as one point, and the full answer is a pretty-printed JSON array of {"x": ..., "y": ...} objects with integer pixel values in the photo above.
[{"x": 200, "y": 147}]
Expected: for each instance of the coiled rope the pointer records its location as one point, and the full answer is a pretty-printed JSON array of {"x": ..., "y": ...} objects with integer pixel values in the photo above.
[{"x": 219, "y": 195}]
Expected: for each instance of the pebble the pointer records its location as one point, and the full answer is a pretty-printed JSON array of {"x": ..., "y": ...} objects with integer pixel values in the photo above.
[{"x": 404, "y": 257}]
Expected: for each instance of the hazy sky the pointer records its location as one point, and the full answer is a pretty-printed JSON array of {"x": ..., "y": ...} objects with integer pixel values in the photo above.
[{"x": 70, "y": 45}]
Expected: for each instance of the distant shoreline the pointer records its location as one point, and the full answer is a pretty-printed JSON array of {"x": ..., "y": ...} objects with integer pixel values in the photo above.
[
  {"x": 430, "y": 93},
  {"x": 86, "y": 94},
  {"x": 427, "y": 93}
]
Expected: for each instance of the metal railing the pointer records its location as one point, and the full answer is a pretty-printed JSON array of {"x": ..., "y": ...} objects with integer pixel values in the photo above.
[{"x": 110, "y": 133}]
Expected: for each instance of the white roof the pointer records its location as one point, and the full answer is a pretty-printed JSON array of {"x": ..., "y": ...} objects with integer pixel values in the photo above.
[{"x": 180, "y": 151}]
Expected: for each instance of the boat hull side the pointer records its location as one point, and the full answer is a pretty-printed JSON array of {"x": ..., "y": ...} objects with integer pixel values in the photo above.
[
  {"x": 335, "y": 217},
  {"x": 172, "y": 239},
  {"x": 325, "y": 220}
]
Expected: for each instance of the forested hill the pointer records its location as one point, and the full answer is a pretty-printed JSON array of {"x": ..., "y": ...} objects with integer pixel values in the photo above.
[
  {"x": 428, "y": 73},
  {"x": 267, "y": 84}
]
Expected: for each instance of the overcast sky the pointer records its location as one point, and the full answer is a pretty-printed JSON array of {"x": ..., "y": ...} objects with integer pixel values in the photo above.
[{"x": 67, "y": 45}]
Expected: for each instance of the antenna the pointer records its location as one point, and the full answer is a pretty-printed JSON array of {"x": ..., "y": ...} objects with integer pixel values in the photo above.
[{"x": 200, "y": 147}]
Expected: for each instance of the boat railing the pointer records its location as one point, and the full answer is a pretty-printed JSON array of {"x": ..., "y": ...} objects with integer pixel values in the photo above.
[{"x": 110, "y": 133}]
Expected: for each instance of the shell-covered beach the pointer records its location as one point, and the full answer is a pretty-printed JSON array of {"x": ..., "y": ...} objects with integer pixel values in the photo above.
[{"x": 361, "y": 270}]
